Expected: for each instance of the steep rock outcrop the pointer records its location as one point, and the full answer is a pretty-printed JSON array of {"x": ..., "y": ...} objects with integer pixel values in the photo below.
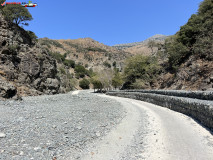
[
  {"x": 25, "y": 63},
  {"x": 194, "y": 74}
]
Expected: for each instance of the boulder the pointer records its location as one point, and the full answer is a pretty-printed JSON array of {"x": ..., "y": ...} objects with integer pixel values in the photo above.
[
  {"x": 52, "y": 84},
  {"x": 7, "y": 90}
]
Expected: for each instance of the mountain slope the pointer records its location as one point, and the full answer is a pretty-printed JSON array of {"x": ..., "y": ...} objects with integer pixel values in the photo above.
[
  {"x": 87, "y": 52},
  {"x": 143, "y": 47},
  {"x": 157, "y": 38}
]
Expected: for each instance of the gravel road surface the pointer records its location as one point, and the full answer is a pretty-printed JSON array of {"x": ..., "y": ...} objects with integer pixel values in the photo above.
[{"x": 84, "y": 125}]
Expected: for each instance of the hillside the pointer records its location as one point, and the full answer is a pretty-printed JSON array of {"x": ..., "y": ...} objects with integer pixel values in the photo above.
[
  {"x": 184, "y": 61},
  {"x": 143, "y": 47},
  {"x": 157, "y": 37},
  {"x": 87, "y": 52}
]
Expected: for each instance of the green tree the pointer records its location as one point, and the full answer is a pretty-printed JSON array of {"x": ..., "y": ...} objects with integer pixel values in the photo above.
[
  {"x": 17, "y": 14},
  {"x": 177, "y": 52},
  {"x": 117, "y": 80},
  {"x": 84, "y": 84},
  {"x": 140, "y": 67},
  {"x": 69, "y": 63},
  {"x": 80, "y": 71},
  {"x": 96, "y": 83},
  {"x": 204, "y": 43},
  {"x": 194, "y": 38},
  {"x": 105, "y": 77}
]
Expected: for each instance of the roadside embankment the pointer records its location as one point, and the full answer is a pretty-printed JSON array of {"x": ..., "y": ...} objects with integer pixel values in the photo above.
[{"x": 198, "y": 105}]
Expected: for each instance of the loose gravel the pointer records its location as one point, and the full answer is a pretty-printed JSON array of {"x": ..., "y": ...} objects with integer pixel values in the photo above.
[{"x": 55, "y": 127}]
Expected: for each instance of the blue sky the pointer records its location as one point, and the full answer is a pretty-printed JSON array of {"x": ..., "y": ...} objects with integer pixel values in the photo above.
[{"x": 109, "y": 21}]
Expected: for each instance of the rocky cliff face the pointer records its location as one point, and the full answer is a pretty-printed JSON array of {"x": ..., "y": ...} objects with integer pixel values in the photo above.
[
  {"x": 194, "y": 74},
  {"x": 25, "y": 67}
]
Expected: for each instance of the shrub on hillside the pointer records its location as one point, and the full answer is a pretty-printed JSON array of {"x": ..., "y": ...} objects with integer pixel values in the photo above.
[
  {"x": 95, "y": 49},
  {"x": 84, "y": 84},
  {"x": 61, "y": 59},
  {"x": 56, "y": 55},
  {"x": 45, "y": 43},
  {"x": 80, "y": 71},
  {"x": 49, "y": 42},
  {"x": 107, "y": 64},
  {"x": 62, "y": 70},
  {"x": 69, "y": 63},
  {"x": 177, "y": 52},
  {"x": 32, "y": 36}
]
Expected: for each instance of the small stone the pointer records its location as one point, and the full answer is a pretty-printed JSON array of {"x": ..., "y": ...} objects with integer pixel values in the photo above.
[
  {"x": 79, "y": 127},
  {"x": 98, "y": 134},
  {"x": 2, "y": 135},
  {"x": 2, "y": 151},
  {"x": 21, "y": 153},
  {"x": 65, "y": 122},
  {"x": 37, "y": 149}
]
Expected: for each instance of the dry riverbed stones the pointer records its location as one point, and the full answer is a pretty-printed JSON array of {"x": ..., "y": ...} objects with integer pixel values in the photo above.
[{"x": 57, "y": 126}]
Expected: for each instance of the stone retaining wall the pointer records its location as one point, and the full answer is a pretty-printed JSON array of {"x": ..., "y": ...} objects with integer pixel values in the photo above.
[
  {"x": 204, "y": 95},
  {"x": 200, "y": 110}
]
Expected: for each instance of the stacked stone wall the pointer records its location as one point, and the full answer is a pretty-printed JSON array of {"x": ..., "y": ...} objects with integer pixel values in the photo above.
[{"x": 198, "y": 105}]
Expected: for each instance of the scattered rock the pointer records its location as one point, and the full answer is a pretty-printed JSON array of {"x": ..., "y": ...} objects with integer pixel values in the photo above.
[
  {"x": 79, "y": 127},
  {"x": 62, "y": 129},
  {"x": 98, "y": 134},
  {"x": 21, "y": 153},
  {"x": 2, "y": 135},
  {"x": 37, "y": 149}
]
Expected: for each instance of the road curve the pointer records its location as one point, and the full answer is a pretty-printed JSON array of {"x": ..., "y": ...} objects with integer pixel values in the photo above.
[{"x": 161, "y": 134}]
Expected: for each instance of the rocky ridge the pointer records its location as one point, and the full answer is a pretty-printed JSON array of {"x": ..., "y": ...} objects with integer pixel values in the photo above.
[
  {"x": 157, "y": 37},
  {"x": 143, "y": 47}
]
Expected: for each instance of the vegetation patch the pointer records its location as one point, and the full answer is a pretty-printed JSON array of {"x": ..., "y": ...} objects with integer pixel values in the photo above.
[
  {"x": 84, "y": 84},
  {"x": 49, "y": 42}
]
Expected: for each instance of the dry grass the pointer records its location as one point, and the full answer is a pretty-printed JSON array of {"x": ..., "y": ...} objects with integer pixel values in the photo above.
[{"x": 2, "y": 73}]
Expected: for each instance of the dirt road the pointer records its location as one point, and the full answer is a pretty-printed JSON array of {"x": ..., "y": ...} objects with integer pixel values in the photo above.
[{"x": 157, "y": 133}]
